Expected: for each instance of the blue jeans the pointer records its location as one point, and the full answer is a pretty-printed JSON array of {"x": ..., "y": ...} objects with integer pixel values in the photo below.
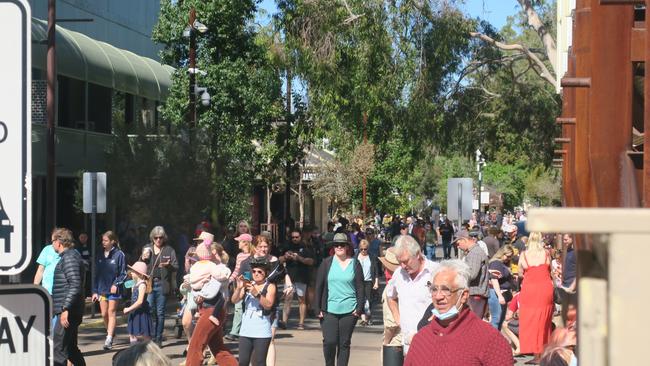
[
  {"x": 497, "y": 311},
  {"x": 157, "y": 302},
  {"x": 446, "y": 249},
  {"x": 236, "y": 319},
  {"x": 430, "y": 251}
]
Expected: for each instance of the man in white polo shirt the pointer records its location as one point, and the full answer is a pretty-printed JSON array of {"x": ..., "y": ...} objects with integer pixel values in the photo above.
[{"x": 408, "y": 292}]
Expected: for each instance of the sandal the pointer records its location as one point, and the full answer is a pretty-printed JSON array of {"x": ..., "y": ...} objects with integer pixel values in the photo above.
[{"x": 300, "y": 327}]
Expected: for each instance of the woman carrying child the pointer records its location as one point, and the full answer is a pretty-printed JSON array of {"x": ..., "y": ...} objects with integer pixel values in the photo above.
[{"x": 207, "y": 280}]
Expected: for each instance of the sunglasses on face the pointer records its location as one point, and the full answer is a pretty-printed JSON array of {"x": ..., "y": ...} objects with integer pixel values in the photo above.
[
  {"x": 158, "y": 238},
  {"x": 257, "y": 271},
  {"x": 364, "y": 249},
  {"x": 340, "y": 245}
]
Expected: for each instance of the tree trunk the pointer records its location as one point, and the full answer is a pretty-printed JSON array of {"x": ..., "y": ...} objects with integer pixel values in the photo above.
[
  {"x": 547, "y": 39},
  {"x": 269, "y": 192}
]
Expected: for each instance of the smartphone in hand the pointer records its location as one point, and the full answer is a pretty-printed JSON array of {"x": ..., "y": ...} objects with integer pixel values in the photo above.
[{"x": 248, "y": 276}]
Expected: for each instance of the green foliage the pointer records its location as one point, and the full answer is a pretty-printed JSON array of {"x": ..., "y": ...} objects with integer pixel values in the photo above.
[
  {"x": 153, "y": 182},
  {"x": 213, "y": 165},
  {"x": 543, "y": 186}
]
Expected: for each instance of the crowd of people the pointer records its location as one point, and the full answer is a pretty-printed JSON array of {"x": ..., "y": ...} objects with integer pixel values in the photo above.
[{"x": 483, "y": 292}]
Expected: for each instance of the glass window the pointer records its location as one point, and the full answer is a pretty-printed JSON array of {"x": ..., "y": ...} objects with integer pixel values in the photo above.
[
  {"x": 99, "y": 108},
  {"x": 71, "y": 102}
]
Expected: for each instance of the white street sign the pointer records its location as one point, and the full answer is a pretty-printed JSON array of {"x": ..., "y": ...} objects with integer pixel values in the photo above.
[
  {"x": 99, "y": 194},
  {"x": 25, "y": 321},
  {"x": 15, "y": 137},
  {"x": 459, "y": 198}
]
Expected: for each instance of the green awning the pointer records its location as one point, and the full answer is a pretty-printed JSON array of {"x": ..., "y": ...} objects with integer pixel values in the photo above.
[{"x": 81, "y": 57}]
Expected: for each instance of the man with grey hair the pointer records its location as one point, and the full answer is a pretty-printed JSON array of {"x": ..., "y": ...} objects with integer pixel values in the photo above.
[
  {"x": 477, "y": 261},
  {"x": 454, "y": 335},
  {"x": 406, "y": 292}
]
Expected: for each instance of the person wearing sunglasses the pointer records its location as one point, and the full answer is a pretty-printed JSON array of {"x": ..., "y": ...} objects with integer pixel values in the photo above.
[
  {"x": 299, "y": 259},
  {"x": 370, "y": 279},
  {"x": 258, "y": 299},
  {"x": 161, "y": 267},
  {"x": 450, "y": 333},
  {"x": 339, "y": 300}
]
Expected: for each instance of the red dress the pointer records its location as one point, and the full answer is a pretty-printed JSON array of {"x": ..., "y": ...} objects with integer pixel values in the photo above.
[{"x": 535, "y": 307}]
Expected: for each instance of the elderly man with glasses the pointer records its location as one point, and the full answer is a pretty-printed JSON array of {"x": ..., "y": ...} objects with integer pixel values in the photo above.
[
  {"x": 67, "y": 299},
  {"x": 454, "y": 334},
  {"x": 407, "y": 293}
]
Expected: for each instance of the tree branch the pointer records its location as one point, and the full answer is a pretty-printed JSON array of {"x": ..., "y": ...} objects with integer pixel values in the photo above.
[
  {"x": 543, "y": 70},
  {"x": 352, "y": 16},
  {"x": 547, "y": 39}
]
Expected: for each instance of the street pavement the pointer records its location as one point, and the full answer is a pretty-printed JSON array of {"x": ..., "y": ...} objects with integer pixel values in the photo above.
[{"x": 293, "y": 347}]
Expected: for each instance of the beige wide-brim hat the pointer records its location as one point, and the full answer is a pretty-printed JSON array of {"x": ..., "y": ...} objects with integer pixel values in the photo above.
[
  {"x": 389, "y": 260},
  {"x": 139, "y": 268},
  {"x": 205, "y": 235}
]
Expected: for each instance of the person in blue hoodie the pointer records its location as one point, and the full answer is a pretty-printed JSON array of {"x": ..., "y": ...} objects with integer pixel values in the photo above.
[{"x": 110, "y": 274}]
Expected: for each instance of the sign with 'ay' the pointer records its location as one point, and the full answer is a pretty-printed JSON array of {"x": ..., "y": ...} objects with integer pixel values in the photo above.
[{"x": 25, "y": 317}]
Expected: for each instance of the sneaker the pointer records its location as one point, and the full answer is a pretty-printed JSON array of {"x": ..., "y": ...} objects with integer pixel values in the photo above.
[
  {"x": 282, "y": 325},
  {"x": 108, "y": 344},
  {"x": 159, "y": 343}
]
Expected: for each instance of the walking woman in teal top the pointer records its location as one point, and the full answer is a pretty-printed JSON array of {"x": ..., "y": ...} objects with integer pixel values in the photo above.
[{"x": 339, "y": 300}]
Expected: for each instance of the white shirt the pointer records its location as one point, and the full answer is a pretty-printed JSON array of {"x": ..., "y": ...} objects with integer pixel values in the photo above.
[{"x": 414, "y": 297}]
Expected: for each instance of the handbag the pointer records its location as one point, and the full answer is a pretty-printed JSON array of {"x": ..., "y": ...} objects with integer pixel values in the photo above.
[
  {"x": 507, "y": 295},
  {"x": 149, "y": 279}
]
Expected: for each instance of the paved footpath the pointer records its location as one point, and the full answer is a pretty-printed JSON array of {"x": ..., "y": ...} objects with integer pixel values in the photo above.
[{"x": 294, "y": 347}]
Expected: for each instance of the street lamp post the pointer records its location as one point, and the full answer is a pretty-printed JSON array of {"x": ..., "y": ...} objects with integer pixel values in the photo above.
[
  {"x": 480, "y": 162},
  {"x": 192, "y": 111},
  {"x": 194, "y": 90}
]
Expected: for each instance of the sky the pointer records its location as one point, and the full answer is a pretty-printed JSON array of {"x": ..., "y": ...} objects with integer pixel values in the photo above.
[{"x": 494, "y": 11}]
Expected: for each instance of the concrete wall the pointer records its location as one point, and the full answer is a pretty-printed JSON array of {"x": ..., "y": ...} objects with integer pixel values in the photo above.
[{"x": 125, "y": 24}]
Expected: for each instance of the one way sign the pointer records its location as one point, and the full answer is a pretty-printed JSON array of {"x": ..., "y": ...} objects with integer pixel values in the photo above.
[{"x": 25, "y": 317}]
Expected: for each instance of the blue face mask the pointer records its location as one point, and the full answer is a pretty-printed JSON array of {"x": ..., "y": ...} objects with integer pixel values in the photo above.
[
  {"x": 450, "y": 314},
  {"x": 574, "y": 360}
]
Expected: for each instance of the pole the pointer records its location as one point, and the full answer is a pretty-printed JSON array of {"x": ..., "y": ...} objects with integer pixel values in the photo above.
[
  {"x": 50, "y": 184},
  {"x": 93, "y": 235},
  {"x": 460, "y": 204},
  {"x": 287, "y": 187},
  {"x": 480, "y": 182},
  {"x": 192, "y": 106},
  {"x": 365, "y": 140}
]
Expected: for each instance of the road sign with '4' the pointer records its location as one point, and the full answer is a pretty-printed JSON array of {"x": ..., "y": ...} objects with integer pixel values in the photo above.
[{"x": 15, "y": 137}]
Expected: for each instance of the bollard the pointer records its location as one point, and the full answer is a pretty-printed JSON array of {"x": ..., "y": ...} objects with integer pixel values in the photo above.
[{"x": 393, "y": 356}]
